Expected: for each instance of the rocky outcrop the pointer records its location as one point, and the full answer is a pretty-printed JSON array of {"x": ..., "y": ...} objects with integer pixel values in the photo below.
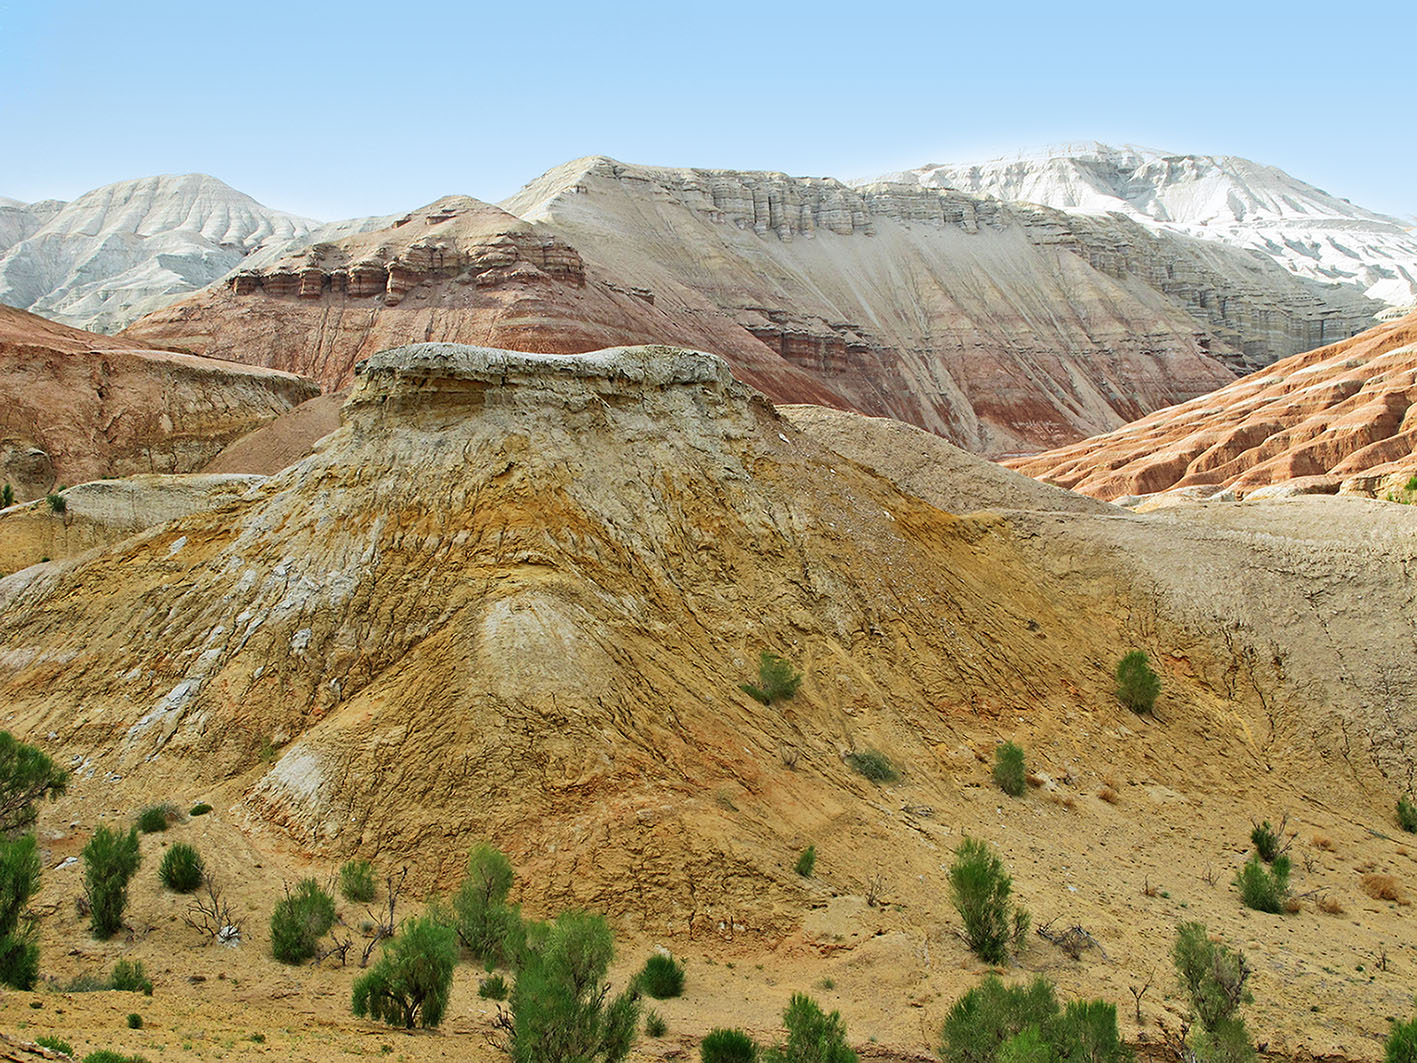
[
  {"x": 76, "y": 406},
  {"x": 1221, "y": 199},
  {"x": 1342, "y": 418}
]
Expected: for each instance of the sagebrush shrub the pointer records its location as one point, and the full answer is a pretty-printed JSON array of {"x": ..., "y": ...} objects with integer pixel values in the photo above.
[
  {"x": 129, "y": 977},
  {"x": 356, "y": 881},
  {"x": 299, "y": 921},
  {"x": 1137, "y": 684},
  {"x": 110, "y": 858},
  {"x": 807, "y": 861},
  {"x": 55, "y": 1044},
  {"x": 661, "y": 977},
  {"x": 655, "y": 1026},
  {"x": 1407, "y": 815},
  {"x": 152, "y": 819},
  {"x": 728, "y": 1046},
  {"x": 813, "y": 1036},
  {"x": 1010, "y": 775},
  {"x": 1265, "y": 889},
  {"x": 135, "y": 1021},
  {"x": 201, "y": 808},
  {"x": 777, "y": 679},
  {"x": 410, "y": 984},
  {"x": 181, "y": 869},
  {"x": 873, "y": 764},
  {"x": 1401, "y": 1044},
  {"x": 998, "y": 1023},
  {"x": 980, "y": 890}
]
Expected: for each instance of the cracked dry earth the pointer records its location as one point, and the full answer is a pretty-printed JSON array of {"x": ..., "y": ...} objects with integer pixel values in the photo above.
[{"x": 513, "y": 597}]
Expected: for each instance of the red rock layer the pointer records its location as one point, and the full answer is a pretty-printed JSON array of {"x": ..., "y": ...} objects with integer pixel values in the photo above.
[{"x": 1343, "y": 417}]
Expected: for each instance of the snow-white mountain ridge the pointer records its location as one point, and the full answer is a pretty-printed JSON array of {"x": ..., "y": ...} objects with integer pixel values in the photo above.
[{"x": 1225, "y": 198}]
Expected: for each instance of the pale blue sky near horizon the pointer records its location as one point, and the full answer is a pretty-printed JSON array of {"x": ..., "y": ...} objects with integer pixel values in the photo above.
[{"x": 335, "y": 111}]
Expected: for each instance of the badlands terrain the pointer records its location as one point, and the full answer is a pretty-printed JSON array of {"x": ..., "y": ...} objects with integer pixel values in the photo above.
[{"x": 340, "y": 564}]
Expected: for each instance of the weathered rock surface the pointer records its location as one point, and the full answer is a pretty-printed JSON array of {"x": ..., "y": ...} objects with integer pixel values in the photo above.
[
  {"x": 77, "y": 406},
  {"x": 1225, "y": 199},
  {"x": 457, "y": 270},
  {"x": 117, "y": 252},
  {"x": 280, "y": 443},
  {"x": 1339, "y": 419},
  {"x": 105, "y": 512}
]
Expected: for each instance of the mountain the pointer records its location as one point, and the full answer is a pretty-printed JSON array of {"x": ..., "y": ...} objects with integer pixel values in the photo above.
[
  {"x": 513, "y": 597},
  {"x": 78, "y": 406},
  {"x": 117, "y": 252},
  {"x": 1339, "y": 419},
  {"x": 1223, "y": 198}
]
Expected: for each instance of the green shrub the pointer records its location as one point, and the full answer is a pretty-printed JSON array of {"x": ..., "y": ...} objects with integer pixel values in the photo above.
[
  {"x": 661, "y": 977},
  {"x": 807, "y": 861},
  {"x": 19, "y": 879},
  {"x": 493, "y": 987},
  {"x": 135, "y": 1021},
  {"x": 57, "y": 504},
  {"x": 980, "y": 890},
  {"x": 1137, "y": 684},
  {"x": 105, "y": 1055},
  {"x": 410, "y": 984},
  {"x": 129, "y": 977},
  {"x": 356, "y": 881},
  {"x": 998, "y": 1023},
  {"x": 1265, "y": 889},
  {"x": 1401, "y": 1045},
  {"x": 777, "y": 679},
  {"x": 200, "y": 809},
  {"x": 110, "y": 858},
  {"x": 1214, "y": 978},
  {"x": 728, "y": 1046},
  {"x": 655, "y": 1026},
  {"x": 299, "y": 921},
  {"x": 181, "y": 869},
  {"x": 1407, "y": 815},
  {"x": 86, "y": 983},
  {"x": 55, "y": 1044},
  {"x": 27, "y": 776},
  {"x": 7, "y": 497},
  {"x": 873, "y": 764},
  {"x": 484, "y": 920},
  {"x": 1266, "y": 840},
  {"x": 1009, "y": 772},
  {"x": 561, "y": 1010},
  {"x": 813, "y": 1036},
  {"x": 152, "y": 819}
]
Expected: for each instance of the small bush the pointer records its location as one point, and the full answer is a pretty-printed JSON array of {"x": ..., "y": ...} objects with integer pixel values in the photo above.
[
  {"x": 356, "y": 881},
  {"x": 655, "y": 1026},
  {"x": 1267, "y": 841},
  {"x": 661, "y": 977},
  {"x": 410, "y": 984},
  {"x": 153, "y": 819},
  {"x": 129, "y": 977},
  {"x": 181, "y": 869},
  {"x": 105, "y": 1055},
  {"x": 7, "y": 497},
  {"x": 55, "y": 1044},
  {"x": 19, "y": 879},
  {"x": 807, "y": 861},
  {"x": 1407, "y": 815},
  {"x": 1381, "y": 887},
  {"x": 1214, "y": 978},
  {"x": 777, "y": 679},
  {"x": 110, "y": 858},
  {"x": 86, "y": 983},
  {"x": 135, "y": 1021},
  {"x": 200, "y": 809},
  {"x": 995, "y": 1023},
  {"x": 57, "y": 504},
  {"x": 485, "y": 923},
  {"x": 1010, "y": 775},
  {"x": 728, "y": 1046},
  {"x": 1264, "y": 889},
  {"x": 980, "y": 890},
  {"x": 1137, "y": 684},
  {"x": 813, "y": 1036},
  {"x": 493, "y": 987},
  {"x": 1401, "y": 1045},
  {"x": 299, "y": 921},
  {"x": 27, "y": 776},
  {"x": 873, "y": 764}
]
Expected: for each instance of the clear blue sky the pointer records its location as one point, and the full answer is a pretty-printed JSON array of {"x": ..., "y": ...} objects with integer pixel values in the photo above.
[{"x": 337, "y": 110}]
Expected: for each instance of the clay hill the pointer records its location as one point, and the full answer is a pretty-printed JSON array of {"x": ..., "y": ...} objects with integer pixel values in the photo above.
[
  {"x": 78, "y": 406},
  {"x": 1000, "y": 327},
  {"x": 1339, "y": 419},
  {"x": 513, "y": 596}
]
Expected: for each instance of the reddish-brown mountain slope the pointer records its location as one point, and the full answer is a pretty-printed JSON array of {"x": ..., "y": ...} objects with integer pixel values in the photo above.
[
  {"x": 456, "y": 271},
  {"x": 77, "y": 406},
  {"x": 1340, "y": 418}
]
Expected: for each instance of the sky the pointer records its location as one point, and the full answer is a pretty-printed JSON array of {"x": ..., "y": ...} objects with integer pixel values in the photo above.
[{"x": 335, "y": 111}]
